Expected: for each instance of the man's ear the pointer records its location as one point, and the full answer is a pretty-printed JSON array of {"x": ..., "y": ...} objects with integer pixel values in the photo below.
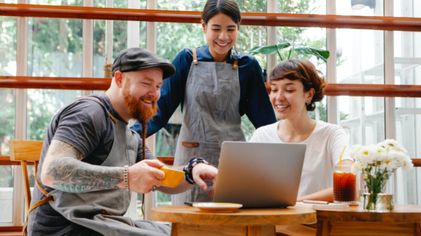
[{"x": 118, "y": 77}]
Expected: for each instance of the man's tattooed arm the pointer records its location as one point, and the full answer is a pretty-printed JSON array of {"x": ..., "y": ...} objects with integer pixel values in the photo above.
[{"x": 63, "y": 170}]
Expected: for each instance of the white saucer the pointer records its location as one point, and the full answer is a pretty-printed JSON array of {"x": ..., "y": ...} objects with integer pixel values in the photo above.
[{"x": 217, "y": 206}]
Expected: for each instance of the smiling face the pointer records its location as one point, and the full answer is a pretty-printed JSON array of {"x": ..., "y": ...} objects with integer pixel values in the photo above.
[
  {"x": 141, "y": 91},
  {"x": 288, "y": 98},
  {"x": 221, "y": 34}
]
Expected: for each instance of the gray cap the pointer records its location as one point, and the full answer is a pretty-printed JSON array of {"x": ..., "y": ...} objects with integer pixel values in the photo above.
[{"x": 134, "y": 59}]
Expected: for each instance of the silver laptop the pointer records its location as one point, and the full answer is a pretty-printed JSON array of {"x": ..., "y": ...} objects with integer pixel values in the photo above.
[{"x": 259, "y": 174}]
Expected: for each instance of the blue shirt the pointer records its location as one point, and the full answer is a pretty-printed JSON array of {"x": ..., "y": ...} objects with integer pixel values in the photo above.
[{"x": 254, "y": 100}]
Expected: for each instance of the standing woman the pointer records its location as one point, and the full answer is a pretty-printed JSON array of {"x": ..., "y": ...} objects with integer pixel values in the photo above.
[
  {"x": 295, "y": 87},
  {"x": 215, "y": 87}
]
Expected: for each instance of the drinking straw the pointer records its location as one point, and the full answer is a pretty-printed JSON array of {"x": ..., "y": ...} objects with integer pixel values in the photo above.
[{"x": 340, "y": 156}]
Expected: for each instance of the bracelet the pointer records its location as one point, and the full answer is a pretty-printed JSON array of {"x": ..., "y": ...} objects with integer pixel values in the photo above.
[
  {"x": 126, "y": 177},
  {"x": 188, "y": 169}
]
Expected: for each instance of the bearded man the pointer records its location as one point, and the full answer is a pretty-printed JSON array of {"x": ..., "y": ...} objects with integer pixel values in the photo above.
[{"x": 91, "y": 160}]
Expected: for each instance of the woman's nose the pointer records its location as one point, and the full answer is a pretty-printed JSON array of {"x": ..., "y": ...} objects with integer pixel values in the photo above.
[
  {"x": 223, "y": 35},
  {"x": 279, "y": 95}
]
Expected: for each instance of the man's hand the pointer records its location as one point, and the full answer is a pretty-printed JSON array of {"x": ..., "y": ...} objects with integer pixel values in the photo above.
[
  {"x": 145, "y": 175},
  {"x": 202, "y": 172}
]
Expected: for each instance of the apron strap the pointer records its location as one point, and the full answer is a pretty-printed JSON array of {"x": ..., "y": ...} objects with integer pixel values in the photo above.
[
  {"x": 95, "y": 99},
  {"x": 235, "y": 65},
  {"x": 39, "y": 186},
  {"x": 36, "y": 204},
  {"x": 195, "y": 61}
]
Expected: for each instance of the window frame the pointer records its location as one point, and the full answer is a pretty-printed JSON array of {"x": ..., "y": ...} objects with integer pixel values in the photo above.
[{"x": 321, "y": 21}]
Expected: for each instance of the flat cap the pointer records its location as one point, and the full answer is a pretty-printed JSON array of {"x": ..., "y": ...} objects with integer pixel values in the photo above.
[{"x": 134, "y": 59}]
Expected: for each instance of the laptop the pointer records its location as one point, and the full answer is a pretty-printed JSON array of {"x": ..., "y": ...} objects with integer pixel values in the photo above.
[{"x": 259, "y": 175}]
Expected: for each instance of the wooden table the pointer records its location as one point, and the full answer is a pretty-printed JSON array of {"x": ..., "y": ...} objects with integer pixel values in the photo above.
[
  {"x": 403, "y": 220},
  {"x": 191, "y": 221}
]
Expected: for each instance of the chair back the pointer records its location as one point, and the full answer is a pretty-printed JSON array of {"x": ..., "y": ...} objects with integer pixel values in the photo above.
[{"x": 26, "y": 151}]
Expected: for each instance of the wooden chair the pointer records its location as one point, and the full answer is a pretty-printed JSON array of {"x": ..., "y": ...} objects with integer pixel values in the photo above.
[{"x": 26, "y": 151}]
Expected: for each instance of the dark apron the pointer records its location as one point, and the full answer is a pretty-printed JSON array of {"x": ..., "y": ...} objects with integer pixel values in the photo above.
[{"x": 211, "y": 115}]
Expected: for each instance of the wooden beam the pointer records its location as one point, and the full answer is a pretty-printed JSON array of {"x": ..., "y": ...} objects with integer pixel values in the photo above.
[
  {"x": 248, "y": 18},
  {"x": 76, "y": 83},
  {"x": 5, "y": 161},
  {"x": 69, "y": 83},
  {"x": 373, "y": 90},
  {"x": 416, "y": 162},
  {"x": 17, "y": 228}
]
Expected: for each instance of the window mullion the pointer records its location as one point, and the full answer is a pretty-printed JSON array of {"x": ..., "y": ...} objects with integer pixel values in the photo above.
[
  {"x": 150, "y": 198},
  {"x": 87, "y": 63},
  {"x": 271, "y": 37},
  {"x": 389, "y": 102},
  {"x": 332, "y": 101},
  {"x": 21, "y": 112},
  {"x": 133, "y": 27},
  {"x": 109, "y": 36},
  {"x": 389, "y": 75}
]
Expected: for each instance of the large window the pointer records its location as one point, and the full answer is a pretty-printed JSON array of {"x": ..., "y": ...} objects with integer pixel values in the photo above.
[
  {"x": 407, "y": 112},
  {"x": 7, "y": 117},
  {"x": 360, "y": 60},
  {"x": 7, "y": 67},
  {"x": 55, "y": 47}
]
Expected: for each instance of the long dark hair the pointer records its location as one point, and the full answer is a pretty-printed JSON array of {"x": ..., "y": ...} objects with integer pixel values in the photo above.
[{"x": 227, "y": 7}]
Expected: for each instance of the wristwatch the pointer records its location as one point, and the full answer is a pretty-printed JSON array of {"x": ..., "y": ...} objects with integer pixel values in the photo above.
[{"x": 188, "y": 169}]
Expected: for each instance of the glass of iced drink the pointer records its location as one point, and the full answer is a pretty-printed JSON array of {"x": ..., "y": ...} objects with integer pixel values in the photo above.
[{"x": 344, "y": 183}]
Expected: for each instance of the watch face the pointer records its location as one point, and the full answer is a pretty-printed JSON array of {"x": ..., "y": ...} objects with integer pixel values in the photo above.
[
  {"x": 188, "y": 169},
  {"x": 196, "y": 161}
]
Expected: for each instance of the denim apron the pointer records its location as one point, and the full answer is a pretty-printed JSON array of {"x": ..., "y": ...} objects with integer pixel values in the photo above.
[
  {"x": 102, "y": 211},
  {"x": 211, "y": 115}
]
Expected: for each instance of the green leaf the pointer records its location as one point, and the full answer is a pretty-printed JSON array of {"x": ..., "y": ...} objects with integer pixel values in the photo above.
[
  {"x": 268, "y": 49},
  {"x": 320, "y": 54}
]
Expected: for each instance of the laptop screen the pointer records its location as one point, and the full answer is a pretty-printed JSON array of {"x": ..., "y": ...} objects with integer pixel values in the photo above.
[{"x": 259, "y": 175}]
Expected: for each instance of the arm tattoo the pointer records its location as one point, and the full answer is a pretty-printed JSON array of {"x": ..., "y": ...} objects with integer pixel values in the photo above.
[{"x": 69, "y": 174}]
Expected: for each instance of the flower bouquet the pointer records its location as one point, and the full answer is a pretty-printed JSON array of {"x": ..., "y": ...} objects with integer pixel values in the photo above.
[{"x": 376, "y": 163}]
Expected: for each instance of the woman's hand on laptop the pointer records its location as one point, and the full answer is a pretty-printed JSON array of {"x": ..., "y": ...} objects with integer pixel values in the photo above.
[{"x": 203, "y": 172}]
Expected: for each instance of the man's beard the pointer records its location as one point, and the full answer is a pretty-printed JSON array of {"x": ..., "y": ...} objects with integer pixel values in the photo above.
[{"x": 137, "y": 109}]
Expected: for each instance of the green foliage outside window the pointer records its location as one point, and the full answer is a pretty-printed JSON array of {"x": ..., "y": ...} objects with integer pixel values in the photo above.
[
  {"x": 7, "y": 43},
  {"x": 60, "y": 41}
]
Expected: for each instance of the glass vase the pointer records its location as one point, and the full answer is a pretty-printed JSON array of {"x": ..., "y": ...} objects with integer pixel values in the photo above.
[
  {"x": 377, "y": 202},
  {"x": 376, "y": 195}
]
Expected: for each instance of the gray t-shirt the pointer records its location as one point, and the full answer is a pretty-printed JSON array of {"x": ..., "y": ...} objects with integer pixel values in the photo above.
[{"x": 85, "y": 125}]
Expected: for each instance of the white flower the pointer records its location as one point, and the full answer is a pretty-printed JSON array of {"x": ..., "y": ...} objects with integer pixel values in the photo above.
[
  {"x": 385, "y": 156},
  {"x": 365, "y": 155},
  {"x": 392, "y": 145}
]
